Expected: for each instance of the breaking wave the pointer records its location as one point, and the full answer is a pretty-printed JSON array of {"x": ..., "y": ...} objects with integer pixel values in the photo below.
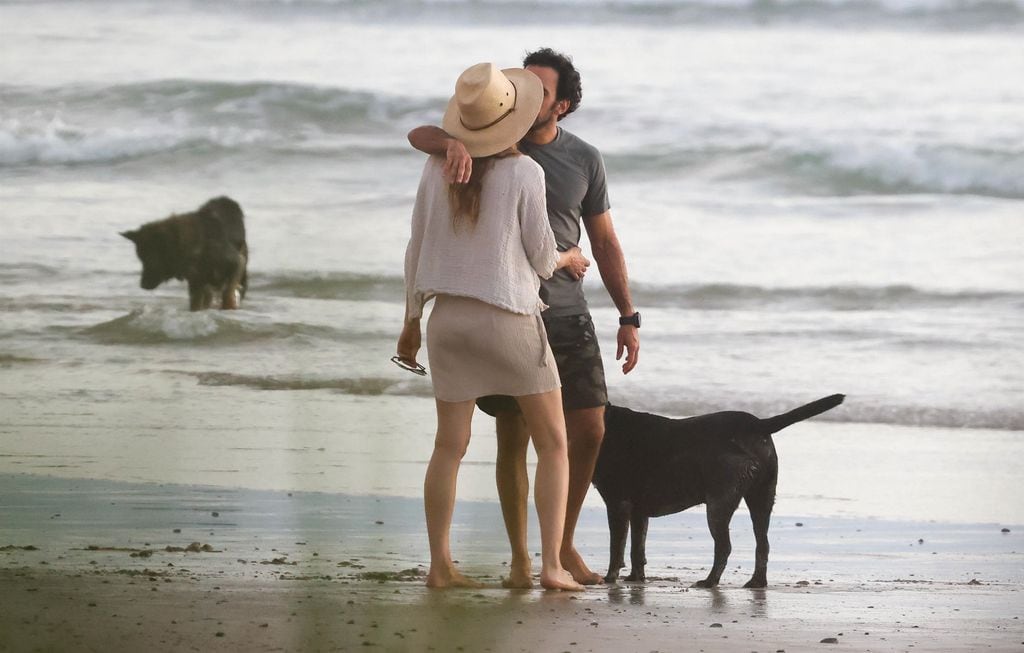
[
  {"x": 91, "y": 124},
  {"x": 332, "y": 285},
  {"x": 850, "y": 168},
  {"x": 840, "y": 298},
  {"x": 85, "y": 125},
  {"x": 853, "y": 410},
  {"x": 947, "y": 14},
  {"x": 715, "y": 296},
  {"x": 371, "y": 386},
  {"x": 871, "y": 411},
  {"x": 158, "y": 324}
]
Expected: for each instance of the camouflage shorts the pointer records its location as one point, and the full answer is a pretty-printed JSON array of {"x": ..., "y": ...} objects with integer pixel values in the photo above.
[{"x": 578, "y": 356}]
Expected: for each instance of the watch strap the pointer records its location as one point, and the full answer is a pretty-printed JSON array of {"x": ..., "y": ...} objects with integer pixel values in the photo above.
[{"x": 630, "y": 320}]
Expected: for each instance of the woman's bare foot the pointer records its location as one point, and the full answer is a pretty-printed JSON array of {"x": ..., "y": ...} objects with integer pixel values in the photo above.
[
  {"x": 573, "y": 563},
  {"x": 559, "y": 580},
  {"x": 450, "y": 577},
  {"x": 520, "y": 577}
]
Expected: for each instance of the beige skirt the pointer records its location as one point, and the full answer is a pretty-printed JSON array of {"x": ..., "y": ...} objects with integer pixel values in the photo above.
[{"x": 476, "y": 349}]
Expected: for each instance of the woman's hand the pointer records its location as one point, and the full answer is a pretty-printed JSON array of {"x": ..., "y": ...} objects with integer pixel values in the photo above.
[
  {"x": 458, "y": 165},
  {"x": 574, "y": 262},
  {"x": 409, "y": 341}
]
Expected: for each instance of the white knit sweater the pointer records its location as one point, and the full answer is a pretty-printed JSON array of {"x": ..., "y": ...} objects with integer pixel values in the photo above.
[{"x": 496, "y": 261}]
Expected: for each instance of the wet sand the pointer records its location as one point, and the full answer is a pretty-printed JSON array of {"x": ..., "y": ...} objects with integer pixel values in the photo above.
[
  {"x": 102, "y": 565},
  {"x": 157, "y": 610}
]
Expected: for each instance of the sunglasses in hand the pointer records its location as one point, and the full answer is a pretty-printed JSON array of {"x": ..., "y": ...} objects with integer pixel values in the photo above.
[{"x": 415, "y": 368}]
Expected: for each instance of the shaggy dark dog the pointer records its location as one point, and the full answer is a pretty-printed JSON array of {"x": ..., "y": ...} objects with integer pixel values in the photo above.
[
  {"x": 651, "y": 466},
  {"x": 206, "y": 248}
]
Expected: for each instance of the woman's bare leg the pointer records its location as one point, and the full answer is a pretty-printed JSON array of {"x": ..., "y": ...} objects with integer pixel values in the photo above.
[
  {"x": 544, "y": 418},
  {"x": 453, "y": 430}
]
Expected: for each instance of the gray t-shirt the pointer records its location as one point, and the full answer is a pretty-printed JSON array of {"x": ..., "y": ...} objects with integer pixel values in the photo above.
[{"x": 576, "y": 188}]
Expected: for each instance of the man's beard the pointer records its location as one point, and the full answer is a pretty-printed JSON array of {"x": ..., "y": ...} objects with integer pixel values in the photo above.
[{"x": 541, "y": 123}]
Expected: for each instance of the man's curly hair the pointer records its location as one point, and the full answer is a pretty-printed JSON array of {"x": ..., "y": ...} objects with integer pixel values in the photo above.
[{"x": 569, "y": 85}]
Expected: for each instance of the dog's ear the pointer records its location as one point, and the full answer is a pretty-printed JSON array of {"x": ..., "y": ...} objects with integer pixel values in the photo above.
[{"x": 131, "y": 235}]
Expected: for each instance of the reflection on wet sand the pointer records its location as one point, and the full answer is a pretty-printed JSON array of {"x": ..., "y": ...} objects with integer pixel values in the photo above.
[{"x": 327, "y": 571}]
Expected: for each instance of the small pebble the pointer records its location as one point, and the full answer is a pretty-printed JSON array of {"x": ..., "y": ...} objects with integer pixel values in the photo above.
[{"x": 830, "y": 640}]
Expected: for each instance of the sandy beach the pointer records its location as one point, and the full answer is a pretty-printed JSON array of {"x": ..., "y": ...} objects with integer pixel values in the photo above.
[
  {"x": 293, "y": 522},
  {"x": 102, "y": 565},
  {"x": 813, "y": 197}
]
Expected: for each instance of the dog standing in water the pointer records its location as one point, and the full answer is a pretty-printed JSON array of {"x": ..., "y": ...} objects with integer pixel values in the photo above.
[
  {"x": 206, "y": 248},
  {"x": 651, "y": 466}
]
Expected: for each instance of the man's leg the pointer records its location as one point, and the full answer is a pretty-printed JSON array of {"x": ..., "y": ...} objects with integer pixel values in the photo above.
[
  {"x": 585, "y": 428},
  {"x": 578, "y": 355},
  {"x": 513, "y": 489}
]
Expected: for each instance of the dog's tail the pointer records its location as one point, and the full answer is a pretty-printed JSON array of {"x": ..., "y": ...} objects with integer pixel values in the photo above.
[{"x": 779, "y": 422}]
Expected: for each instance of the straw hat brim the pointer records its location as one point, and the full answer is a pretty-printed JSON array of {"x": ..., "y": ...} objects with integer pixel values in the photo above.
[{"x": 511, "y": 129}]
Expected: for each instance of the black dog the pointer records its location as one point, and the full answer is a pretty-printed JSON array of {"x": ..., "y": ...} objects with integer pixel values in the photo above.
[
  {"x": 651, "y": 466},
  {"x": 207, "y": 248}
]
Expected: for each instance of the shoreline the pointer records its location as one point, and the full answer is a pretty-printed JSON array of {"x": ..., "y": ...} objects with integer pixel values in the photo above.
[
  {"x": 91, "y": 565},
  {"x": 380, "y": 444}
]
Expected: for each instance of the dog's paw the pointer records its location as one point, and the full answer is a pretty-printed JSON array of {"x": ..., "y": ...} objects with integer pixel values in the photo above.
[
  {"x": 634, "y": 577},
  {"x": 756, "y": 583},
  {"x": 705, "y": 584}
]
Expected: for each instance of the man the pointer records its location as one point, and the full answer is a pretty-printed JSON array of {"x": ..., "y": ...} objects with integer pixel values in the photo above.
[{"x": 576, "y": 191}]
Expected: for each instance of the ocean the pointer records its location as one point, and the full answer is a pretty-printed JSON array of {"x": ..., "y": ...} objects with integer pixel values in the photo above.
[{"x": 813, "y": 197}]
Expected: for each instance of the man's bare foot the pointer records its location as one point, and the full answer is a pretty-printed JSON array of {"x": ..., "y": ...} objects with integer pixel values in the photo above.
[
  {"x": 450, "y": 577},
  {"x": 559, "y": 580},
  {"x": 573, "y": 563},
  {"x": 520, "y": 577}
]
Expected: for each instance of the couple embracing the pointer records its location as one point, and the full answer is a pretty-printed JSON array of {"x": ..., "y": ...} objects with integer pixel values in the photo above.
[{"x": 501, "y": 206}]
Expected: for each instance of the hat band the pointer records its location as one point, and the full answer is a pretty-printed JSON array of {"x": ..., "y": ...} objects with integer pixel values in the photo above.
[{"x": 494, "y": 122}]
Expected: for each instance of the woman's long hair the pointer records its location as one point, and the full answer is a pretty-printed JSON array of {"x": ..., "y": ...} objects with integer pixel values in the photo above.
[{"x": 464, "y": 199}]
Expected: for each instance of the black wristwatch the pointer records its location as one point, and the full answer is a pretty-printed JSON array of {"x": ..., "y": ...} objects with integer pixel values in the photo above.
[{"x": 632, "y": 320}]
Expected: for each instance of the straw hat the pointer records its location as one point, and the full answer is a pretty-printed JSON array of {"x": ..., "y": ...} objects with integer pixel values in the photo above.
[{"x": 492, "y": 109}]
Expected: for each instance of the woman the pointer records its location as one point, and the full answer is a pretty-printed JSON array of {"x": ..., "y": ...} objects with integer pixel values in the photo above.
[{"x": 480, "y": 249}]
